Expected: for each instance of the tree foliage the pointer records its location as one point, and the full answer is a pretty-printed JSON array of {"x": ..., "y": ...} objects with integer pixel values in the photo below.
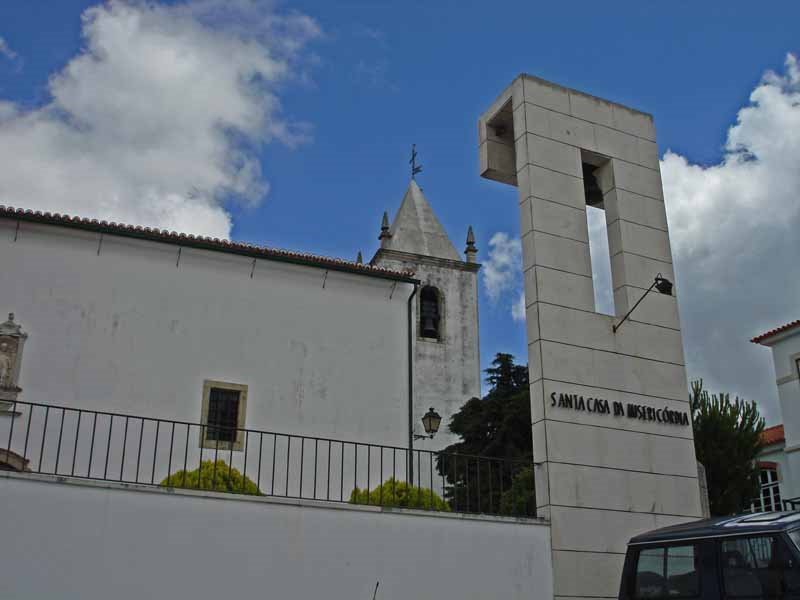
[
  {"x": 727, "y": 439},
  {"x": 221, "y": 478},
  {"x": 398, "y": 493},
  {"x": 497, "y": 426}
]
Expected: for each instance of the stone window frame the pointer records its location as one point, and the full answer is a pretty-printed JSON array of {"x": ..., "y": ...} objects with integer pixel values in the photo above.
[
  {"x": 442, "y": 315},
  {"x": 238, "y": 444}
]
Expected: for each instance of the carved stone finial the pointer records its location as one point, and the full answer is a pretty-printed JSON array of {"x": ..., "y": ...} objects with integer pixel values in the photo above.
[
  {"x": 470, "y": 251},
  {"x": 385, "y": 235}
]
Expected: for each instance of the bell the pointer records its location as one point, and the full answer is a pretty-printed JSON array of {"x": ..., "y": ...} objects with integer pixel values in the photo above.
[{"x": 429, "y": 328}]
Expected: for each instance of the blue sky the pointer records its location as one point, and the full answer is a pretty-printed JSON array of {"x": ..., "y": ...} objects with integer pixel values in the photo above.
[{"x": 365, "y": 80}]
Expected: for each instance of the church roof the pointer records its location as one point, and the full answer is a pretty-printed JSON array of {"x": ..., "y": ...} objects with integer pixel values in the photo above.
[
  {"x": 204, "y": 243},
  {"x": 416, "y": 229}
]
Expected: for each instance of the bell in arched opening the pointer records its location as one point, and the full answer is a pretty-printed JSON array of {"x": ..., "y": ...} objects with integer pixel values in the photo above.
[{"x": 430, "y": 312}]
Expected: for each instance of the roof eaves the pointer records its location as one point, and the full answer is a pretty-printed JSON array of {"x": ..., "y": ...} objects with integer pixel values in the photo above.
[
  {"x": 773, "y": 332},
  {"x": 205, "y": 243}
]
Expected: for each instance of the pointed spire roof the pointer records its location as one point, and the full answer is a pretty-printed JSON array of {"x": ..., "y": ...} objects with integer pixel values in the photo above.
[{"x": 417, "y": 230}]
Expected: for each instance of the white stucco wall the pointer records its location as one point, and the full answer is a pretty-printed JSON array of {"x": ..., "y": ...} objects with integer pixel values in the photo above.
[
  {"x": 785, "y": 353},
  {"x": 127, "y": 330},
  {"x": 89, "y": 542}
]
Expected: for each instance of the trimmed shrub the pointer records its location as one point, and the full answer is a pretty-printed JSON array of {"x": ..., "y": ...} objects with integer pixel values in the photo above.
[
  {"x": 398, "y": 493},
  {"x": 225, "y": 479}
]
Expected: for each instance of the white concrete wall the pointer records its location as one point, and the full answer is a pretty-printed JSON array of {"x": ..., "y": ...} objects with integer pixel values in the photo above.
[
  {"x": 77, "y": 542},
  {"x": 128, "y": 330}
]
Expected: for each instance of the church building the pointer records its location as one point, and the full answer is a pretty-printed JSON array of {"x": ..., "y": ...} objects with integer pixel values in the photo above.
[{"x": 145, "y": 322}]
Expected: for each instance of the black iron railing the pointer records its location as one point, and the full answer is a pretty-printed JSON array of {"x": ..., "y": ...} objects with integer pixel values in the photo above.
[{"x": 107, "y": 446}]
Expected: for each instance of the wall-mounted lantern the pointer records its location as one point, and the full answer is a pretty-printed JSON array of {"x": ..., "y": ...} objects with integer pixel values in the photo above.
[
  {"x": 662, "y": 284},
  {"x": 431, "y": 422}
]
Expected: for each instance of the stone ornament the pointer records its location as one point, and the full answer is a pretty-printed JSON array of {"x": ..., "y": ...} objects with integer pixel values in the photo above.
[{"x": 12, "y": 341}]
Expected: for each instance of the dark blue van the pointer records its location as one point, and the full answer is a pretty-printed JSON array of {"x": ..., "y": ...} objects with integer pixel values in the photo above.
[{"x": 746, "y": 557}]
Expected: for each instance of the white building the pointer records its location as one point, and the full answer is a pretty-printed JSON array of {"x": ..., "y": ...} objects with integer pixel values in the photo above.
[
  {"x": 779, "y": 460},
  {"x": 136, "y": 354}
]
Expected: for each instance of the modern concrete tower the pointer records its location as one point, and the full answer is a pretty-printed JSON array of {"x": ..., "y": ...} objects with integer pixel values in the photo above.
[
  {"x": 612, "y": 437},
  {"x": 446, "y": 359}
]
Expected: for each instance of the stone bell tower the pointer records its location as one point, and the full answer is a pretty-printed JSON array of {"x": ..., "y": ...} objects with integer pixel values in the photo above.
[
  {"x": 612, "y": 438},
  {"x": 446, "y": 358}
]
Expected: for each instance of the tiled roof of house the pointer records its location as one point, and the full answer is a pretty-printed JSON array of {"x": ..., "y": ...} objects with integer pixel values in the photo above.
[
  {"x": 772, "y": 435},
  {"x": 204, "y": 243},
  {"x": 768, "y": 334}
]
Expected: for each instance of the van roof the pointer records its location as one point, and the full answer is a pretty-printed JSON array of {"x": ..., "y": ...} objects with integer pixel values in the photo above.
[{"x": 722, "y": 527}]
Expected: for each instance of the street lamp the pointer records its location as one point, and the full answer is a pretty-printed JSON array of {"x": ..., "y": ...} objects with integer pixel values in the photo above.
[
  {"x": 430, "y": 421},
  {"x": 662, "y": 284}
]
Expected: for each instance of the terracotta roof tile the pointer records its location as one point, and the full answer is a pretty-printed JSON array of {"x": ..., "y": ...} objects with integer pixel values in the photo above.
[
  {"x": 772, "y": 435},
  {"x": 768, "y": 334},
  {"x": 206, "y": 243}
]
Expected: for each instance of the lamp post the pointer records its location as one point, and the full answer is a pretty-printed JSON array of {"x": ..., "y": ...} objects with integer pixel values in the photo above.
[{"x": 662, "y": 284}]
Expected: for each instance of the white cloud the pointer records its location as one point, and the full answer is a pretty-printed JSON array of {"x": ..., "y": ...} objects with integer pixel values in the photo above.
[
  {"x": 6, "y": 51},
  {"x": 518, "y": 308},
  {"x": 501, "y": 272},
  {"x": 156, "y": 121},
  {"x": 735, "y": 230}
]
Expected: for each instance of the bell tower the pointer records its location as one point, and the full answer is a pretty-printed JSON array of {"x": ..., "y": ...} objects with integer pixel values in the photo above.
[{"x": 445, "y": 336}]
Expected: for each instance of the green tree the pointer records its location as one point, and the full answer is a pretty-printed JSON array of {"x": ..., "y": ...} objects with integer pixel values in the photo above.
[
  {"x": 221, "y": 478},
  {"x": 497, "y": 426},
  {"x": 727, "y": 439},
  {"x": 398, "y": 493}
]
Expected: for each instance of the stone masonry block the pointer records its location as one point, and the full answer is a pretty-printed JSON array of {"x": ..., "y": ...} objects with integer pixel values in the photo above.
[
  {"x": 638, "y": 179},
  {"x": 634, "y": 122},
  {"x": 545, "y": 94},
  {"x": 586, "y": 530},
  {"x": 636, "y": 209},
  {"x": 609, "y": 370},
  {"x": 591, "y": 109},
  {"x": 656, "y": 309},
  {"x": 617, "y": 449},
  {"x": 614, "y": 489},
  {"x": 553, "y": 155},
  {"x": 579, "y": 417},
  {"x": 559, "y": 219},
  {"x": 639, "y": 239},
  {"x": 616, "y": 144},
  {"x": 557, "y": 187},
  {"x": 638, "y": 271},
  {"x": 566, "y": 289},
  {"x": 586, "y": 574},
  {"x": 562, "y": 253}
]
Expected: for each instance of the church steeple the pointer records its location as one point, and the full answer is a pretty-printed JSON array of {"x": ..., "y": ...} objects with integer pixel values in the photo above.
[{"x": 416, "y": 230}]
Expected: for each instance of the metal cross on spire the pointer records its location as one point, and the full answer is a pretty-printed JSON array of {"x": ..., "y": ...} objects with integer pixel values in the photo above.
[{"x": 413, "y": 162}]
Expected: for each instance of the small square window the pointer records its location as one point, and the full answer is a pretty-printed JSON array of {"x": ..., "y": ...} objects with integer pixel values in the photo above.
[{"x": 223, "y": 415}]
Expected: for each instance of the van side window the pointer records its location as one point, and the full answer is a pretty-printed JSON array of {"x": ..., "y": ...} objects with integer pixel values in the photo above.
[
  {"x": 757, "y": 567},
  {"x": 667, "y": 572}
]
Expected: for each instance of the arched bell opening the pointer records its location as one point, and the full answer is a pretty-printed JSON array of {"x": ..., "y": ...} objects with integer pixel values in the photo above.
[{"x": 431, "y": 313}]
